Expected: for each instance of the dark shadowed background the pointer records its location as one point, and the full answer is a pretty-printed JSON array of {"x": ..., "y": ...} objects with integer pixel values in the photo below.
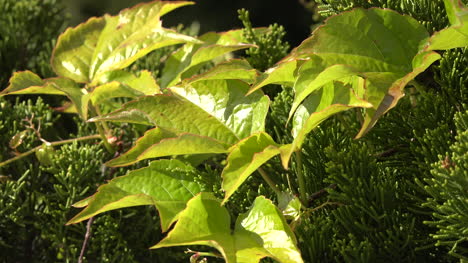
[{"x": 214, "y": 15}]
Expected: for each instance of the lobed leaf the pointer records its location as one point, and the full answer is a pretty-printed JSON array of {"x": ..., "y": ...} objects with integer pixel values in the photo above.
[
  {"x": 261, "y": 232},
  {"x": 100, "y": 45},
  {"x": 167, "y": 184}
]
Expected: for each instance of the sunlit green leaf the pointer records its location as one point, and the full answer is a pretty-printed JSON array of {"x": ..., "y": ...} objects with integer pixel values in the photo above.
[
  {"x": 456, "y": 35},
  {"x": 333, "y": 98},
  {"x": 72, "y": 56},
  {"x": 283, "y": 73},
  {"x": 100, "y": 45},
  {"x": 124, "y": 84},
  {"x": 157, "y": 143},
  {"x": 244, "y": 158},
  {"x": 232, "y": 69},
  {"x": 261, "y": 232},
  {"x": 217, "y": 109},
  {"x": 26, "y": 82},
  {"x": 167, "y": 184},
  {"x": 184, "y": 61},
  {"x": 377, "y": 45}
]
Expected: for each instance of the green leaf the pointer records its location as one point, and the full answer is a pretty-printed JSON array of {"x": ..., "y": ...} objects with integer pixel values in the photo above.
[
  {"x": 217, "y": 109},
  {"x": 290, "y": 205},
  {"x": 167, "y": 184},
  {"x": 119, "y": 83},
  {"x": 283, "y": 73},
  {"x": 157, "y": 143},
  {"x": 72, "y": 55},
  {"x": 182, "y": 63},
  {"x": 380, "y": 47},
  {"x": 244, "y": 158},
  {"x": 100, "y": 45},
  {"x": 333, "y": 98},
  {"x": 376, "y": 44},
  {"x": 456, "y": 35},
  {"x": 261, "y": 232},
  {"x": 79, "y": 96},
  {"x": 26, "y": 82},
  {"x": 265, "y": 225},
  {"x": 232, "y": 69}
]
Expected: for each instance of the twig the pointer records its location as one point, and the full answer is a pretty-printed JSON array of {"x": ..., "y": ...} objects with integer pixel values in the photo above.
[
  {"x": 269, "y": 181},
  {"x": 300, "y": 178},
  {"x": 320, "y": 193},
  {"x": 22, "y": 155},
  {"x": 86, "y": 239}
]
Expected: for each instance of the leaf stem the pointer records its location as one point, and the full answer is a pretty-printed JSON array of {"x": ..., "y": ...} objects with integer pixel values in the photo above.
[
  {"x": 300, "y": 177},
  {"x": 269, "y": 181},
  {"x": 103, "y": 130},
  {"x": 22, "y": 155}
]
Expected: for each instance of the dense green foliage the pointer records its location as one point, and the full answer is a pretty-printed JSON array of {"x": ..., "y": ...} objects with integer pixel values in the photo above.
[
  {"x": 28, "y": 30},
  {"x": 397, "y": 194}
]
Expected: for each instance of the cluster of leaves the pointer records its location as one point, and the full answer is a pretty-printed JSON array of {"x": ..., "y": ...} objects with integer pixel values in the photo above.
[{"x": 203, "y": 107}]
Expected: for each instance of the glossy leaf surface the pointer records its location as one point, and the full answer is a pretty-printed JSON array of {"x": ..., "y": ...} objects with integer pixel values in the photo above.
[
  {"x": 232, "y": 69},
  {"x": 320, "y": 105},
  {"x": 124, "y": 84},
  {"x": 283, "y": 73},
  {"x": 167, "y": 184},
  {"x": 157, "y": 143},
  {"x": 100, "y": 45},
  {"x": 182, "y": 63},
  {"x": 261, "y": 232},
  {"x": 375, "y": 44},
  {"x": 217, "y": 109}
]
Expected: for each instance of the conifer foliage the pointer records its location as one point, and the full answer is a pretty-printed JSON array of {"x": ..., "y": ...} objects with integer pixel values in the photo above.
[{"x": 351, "y": 147}]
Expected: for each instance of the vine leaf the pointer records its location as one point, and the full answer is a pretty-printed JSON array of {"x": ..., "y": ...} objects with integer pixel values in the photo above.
[
  {"x": 157, "y": 143},
  {"x": 26, "y": 82},
  {"x": 261, "y": 232},
  {"x": 190, "y": 57},
  {"x": 120, "y": 83},
  {"x": 330, "y": 99},
  {"x": 109, "y": 43},
  {"x": 456, "y": 35},
  {"x": 209, "y": 114},
  {"x": 378, "y": 45},
  {"x": 167, "y": 184},
  {"x": 233, "y": 69},
  {"x": 282, "y": 73},
  {"x": 245, "y": 157}
]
